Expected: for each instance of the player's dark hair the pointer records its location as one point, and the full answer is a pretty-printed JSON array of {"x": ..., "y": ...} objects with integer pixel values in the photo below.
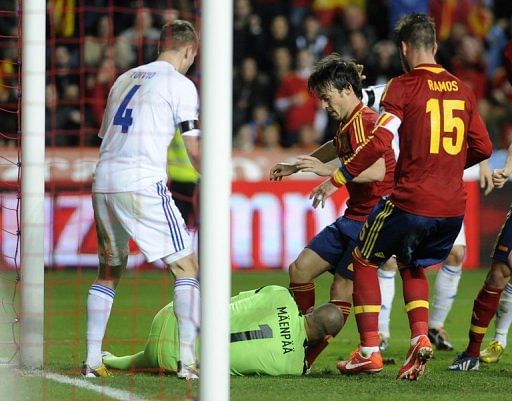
[
  {"x": 335, "y": 72},
  {"x": 416, "y": 29},
  {"x": 177, "y": 34},
  {"x": 325, "y": 320}
]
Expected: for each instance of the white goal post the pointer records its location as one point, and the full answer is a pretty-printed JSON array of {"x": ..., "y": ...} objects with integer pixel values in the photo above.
[
  {"x": 32, "y": 183},
  {"x": 215, "y": 265}
]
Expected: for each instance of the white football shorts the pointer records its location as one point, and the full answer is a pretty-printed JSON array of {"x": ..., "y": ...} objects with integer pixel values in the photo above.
[
  {"x": 149, "y": 217},
  {"x": 461, "y": 237}
]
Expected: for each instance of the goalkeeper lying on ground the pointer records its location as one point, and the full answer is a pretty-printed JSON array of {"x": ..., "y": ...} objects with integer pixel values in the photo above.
[{"x": 268, "y": 335}]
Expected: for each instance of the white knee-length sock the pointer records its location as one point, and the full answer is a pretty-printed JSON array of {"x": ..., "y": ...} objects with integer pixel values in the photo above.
[
  {"x": 504, "y": 315},
  {"x": 447, "y": 282},
  {"x": 99, "y": 305},
  {"x": 387, "y": 292},
  {"x": 187, "y": 311}
]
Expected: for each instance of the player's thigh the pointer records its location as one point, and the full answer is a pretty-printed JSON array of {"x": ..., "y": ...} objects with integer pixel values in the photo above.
[
  {"x": 154, "y": 222},
  {"x": 336, "y": 242},
  {"x": 111, "y": 235}
]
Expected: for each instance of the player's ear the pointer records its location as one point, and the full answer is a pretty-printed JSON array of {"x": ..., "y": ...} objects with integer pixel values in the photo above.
[{"x": 328, "y": 338}]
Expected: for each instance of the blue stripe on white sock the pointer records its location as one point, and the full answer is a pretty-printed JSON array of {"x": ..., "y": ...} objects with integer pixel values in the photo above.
[
  {"x": 508, "y": 289},
  {"x": 104, "y": 290},
  {"x": 189, "y": 282},
  {"x": 451, "y": 271}
]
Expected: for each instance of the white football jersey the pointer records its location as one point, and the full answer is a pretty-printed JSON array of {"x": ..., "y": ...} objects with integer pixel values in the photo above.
[{"x": 145, "y": 107}]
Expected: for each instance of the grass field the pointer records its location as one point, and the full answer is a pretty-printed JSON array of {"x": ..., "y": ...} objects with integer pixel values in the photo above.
[{"x": 142, "y": 294}]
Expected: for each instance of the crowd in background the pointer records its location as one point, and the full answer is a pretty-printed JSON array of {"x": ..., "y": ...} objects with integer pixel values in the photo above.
[{"x": 276, "y": 44}]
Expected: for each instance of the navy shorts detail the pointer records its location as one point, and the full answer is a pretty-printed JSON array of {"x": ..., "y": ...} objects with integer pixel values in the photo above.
[
  {"x": 335, "y": 244},
  {"x": 503, "y": 243},
  {"x": 418, "y": 241}
]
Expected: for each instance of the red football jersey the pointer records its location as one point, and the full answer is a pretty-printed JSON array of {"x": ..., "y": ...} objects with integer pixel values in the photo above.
[
  {"x": 440, "y": 133},
  {"x": 349, "y": 137}
]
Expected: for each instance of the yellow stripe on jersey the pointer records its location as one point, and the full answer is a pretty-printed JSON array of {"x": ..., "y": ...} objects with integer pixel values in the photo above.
[
  {"x": 357, "y": 130},
  {"x": 435, "y": 70},
  {"x": 361, "y": 128},
  {"x": 478, "y": 329},
  {"x": 416, "y": 304},
  {"x": 373, "y": 233},
  {"x": 366, "y": 309}
]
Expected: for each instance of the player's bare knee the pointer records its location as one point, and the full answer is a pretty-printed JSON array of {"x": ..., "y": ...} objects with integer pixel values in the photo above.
[
  {"x": 499, "y": 275},
  {"x": 184, "y": 267},
  {"x": 299, "y": 273},
  {"x": 456, "y": 256},
  {"x": 341, "y": 288}
]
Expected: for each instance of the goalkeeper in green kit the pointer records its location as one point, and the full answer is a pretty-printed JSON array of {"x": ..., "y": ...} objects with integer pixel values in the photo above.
[{"x": 268, "y": 335}]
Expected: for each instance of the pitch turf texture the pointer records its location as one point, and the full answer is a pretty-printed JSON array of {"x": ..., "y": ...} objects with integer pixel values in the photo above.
[{"x": 140, "y": 296}]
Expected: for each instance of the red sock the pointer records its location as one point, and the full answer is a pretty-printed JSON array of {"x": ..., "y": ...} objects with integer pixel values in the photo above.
[
  {"x": 367, "y": 300},
  {"x": 304, "y": 294},
  {"x": 313, "y": 351},
  {"x": 415, "y": 286},
  {"x": 484, "y": 308},
  {"x": 344, "y": 307}
]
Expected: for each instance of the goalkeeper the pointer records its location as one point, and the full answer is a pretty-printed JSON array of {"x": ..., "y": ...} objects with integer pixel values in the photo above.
[{"x": 268, "y": 335}]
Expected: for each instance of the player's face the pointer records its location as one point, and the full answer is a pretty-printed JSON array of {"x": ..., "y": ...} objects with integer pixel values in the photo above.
[{"x": 335, "y": 102}]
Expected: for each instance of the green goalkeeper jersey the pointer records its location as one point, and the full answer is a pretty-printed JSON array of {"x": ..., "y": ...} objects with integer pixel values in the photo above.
[{"x": 268, "y": 336}]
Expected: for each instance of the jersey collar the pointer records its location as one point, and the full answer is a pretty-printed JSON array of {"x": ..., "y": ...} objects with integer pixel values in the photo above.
[
  {"x": 359, "y": 107},
  {"x": 434, "y": 68}
]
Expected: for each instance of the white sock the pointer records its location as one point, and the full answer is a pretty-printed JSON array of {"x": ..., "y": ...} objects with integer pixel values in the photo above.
[
  {"x": 504, "y": 315},
  {"x": 447, "y": 282},
  {"x": 387, "y": 293},
  {"x": 99, "y": 305},
  {"x": 187, "y": 311},
  {"x": 367, "y": 351}
]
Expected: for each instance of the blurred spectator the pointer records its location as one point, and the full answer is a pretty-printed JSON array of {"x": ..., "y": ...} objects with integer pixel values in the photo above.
[
  {"x": 62, "y": 17},
  {"x": 298, "y": 10},
  {"x": 66, "y": 68},
  {"x": 293, "y": 101},
  {"x": 98, "y": 42},
  {"x": 248, "y": 35},
  {"x": 353, "y": 20},
  {"x": 250, "y": 87},
  {"x": 399, "y": 8},
  {"x": 261, "y": 119},
  {"x": 313, "y": 38},
  {"x": 280, "y": 36},
  {"x": 448, "y": 13},
  {"x": 244, "y": 139},
  {"x": 469, "y": 65},
  {"x": 271, "y": 137},
  {"x": 308, "y": 139},
  {"x": 496, "y": 40},
  {"x": 138, "y": 44},
  {"x": 62, "y": 120},
  {"x": 99, "y": 88},
  {"x": 384, "y": 65},
  {"x": 281, "y": 65}
]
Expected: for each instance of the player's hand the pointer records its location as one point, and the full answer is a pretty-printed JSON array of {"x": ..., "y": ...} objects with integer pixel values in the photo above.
[
  {"x": 313, "y": 165},
  {"x": 281, "y": 170},
  {"x": 486, "y": 178},
  {"x": 360, "y": 69},
  {"x": 499, "y": 178},
  {"x": 322, "y": 192}
]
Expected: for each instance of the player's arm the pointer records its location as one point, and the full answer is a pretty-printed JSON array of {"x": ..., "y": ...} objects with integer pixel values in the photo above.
[
  {"x": 485, "y": 176},
  {"x": 479, "y": 142},
  {"x": 314, "y": 162},
  {"x": 500, "y": 176},
  {"x": 376, "y": 172},
  {"x": 193, "y": 145}
]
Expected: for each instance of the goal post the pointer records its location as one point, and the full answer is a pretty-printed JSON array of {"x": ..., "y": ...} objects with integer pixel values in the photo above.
[
  {"x": 216, "y": 117},
  {"x": 32, "y": 183}
]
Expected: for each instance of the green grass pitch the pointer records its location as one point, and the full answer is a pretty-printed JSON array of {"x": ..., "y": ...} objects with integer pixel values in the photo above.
[{"x": 142, "y": 294}]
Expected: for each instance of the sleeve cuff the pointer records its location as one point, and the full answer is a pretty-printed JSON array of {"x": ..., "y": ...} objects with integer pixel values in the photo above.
[{"x": 340, "y": 177}]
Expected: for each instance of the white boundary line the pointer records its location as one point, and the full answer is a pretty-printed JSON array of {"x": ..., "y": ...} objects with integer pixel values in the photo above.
[{"x": 111, "y": 392}]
